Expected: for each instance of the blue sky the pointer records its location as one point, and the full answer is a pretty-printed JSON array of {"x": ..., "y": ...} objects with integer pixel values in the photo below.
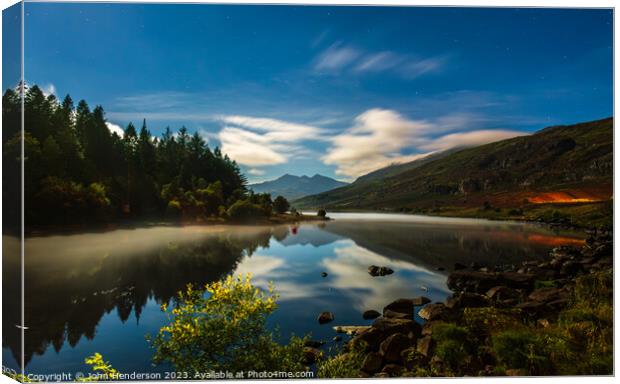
[{"x": 333, "y": 90}]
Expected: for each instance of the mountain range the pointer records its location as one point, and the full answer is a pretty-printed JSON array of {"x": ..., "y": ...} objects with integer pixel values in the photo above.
[
  {"x": 294, "y": 187},
  {"x": 572, "y": 163}
]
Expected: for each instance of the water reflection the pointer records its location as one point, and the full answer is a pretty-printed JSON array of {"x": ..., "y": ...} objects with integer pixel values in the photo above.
[{"x": 82, "y": 289}]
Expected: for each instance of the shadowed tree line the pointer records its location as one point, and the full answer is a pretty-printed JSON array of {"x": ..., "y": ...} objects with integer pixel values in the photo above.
[
  {"x": 64, "y": 308},
  {"x": 78, "y": 171}
]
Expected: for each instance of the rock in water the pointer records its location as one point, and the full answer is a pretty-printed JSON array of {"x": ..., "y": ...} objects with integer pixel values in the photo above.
[
  {"x": 325, "y": 317},
  {"x": 374, "y": 270},
  {"x": 370, "y": 314},
  {"x": 324, "y": 274},
  {"x": 400, "y": 305}
]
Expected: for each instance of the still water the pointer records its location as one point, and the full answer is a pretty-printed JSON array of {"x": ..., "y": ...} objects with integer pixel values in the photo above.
[{"x": 101, "y": 292}]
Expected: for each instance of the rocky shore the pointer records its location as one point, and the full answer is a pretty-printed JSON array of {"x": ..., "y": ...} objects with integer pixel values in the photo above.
[{"x": 459, "y": 335}]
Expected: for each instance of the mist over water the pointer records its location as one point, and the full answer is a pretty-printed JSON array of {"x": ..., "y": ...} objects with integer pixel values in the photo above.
[{"x": 101, "y": 292}]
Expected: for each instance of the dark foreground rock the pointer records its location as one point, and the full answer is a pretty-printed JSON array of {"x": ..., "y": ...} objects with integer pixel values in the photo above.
[{"x": 371, "y": 314}]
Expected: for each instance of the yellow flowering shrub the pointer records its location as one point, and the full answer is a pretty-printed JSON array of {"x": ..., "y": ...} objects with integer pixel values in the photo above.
[{"x": 223, "y": 327}]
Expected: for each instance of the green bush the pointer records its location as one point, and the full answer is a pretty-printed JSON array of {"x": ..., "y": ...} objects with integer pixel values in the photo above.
[
  {"x": 342, "y": 365},
  {"x": 454, "y": 344},
  {"x": 321, "y": 213},
  {"x": 281, "y": 205},
  {"x": 244, "y": 209},
  {"x": 224, "y": 328},
  {"x": 521, "y": 349}
]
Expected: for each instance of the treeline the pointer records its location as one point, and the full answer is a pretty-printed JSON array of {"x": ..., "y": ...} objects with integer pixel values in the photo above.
[{"x": 77, "y": 171}]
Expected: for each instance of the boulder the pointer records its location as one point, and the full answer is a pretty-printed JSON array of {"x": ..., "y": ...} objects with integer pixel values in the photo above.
[
  {"x": 400, "y": 305},
  {"x": 324, "y": 274},
  {"x": 337, "y": 339},
  {"x": 420, "y": 300},
  {"x": 437, "y": 311},
  {"x": 501, "y": 292},
  {"x": 427, "y": 328},
  {"x": 467, "y": 300},
  {"x": 391, "y": 347},
  {"x": 481, "y": 282},
  {"x": 397, "y": 315},
  {"x": 389, "y": 326},
  {"x": 311, "y": 355},
  {"x": 371, "y": 314},
  {"x": 425, "y": 346},
  {"x": 546, "y": 295},
  {"x": 369, "y": 339},
  {"x": 372, "y": 362},
  {"x": 325, "y": 317}
]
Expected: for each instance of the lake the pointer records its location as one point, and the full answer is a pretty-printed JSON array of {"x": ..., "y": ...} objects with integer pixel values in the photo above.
[{"x": 101, "y": 292}]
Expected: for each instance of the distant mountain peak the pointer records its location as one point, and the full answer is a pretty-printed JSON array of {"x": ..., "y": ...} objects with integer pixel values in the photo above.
[{"x": 294, "y": 187}]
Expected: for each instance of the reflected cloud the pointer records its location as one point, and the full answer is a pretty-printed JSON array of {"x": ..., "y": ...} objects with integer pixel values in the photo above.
[{"x": 350, "y": 274}]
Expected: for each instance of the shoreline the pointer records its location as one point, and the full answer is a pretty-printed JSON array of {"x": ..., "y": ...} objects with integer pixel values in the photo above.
[
  {"x": 530, "y": 303},
  {"x": 565, "y": 218},
  {"x": 279, "y": 219}
]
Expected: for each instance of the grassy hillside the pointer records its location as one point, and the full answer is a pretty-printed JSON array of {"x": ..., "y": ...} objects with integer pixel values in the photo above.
[{"x": 557, "y": 165}]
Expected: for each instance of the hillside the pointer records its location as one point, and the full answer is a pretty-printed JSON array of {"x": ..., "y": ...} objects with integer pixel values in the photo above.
[
  {"x": 560, "y": 164},
  {"x": 293, "y": 187}
]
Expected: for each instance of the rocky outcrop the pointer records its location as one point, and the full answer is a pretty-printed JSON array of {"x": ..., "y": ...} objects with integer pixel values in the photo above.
[{"x": 486, "y": 298}]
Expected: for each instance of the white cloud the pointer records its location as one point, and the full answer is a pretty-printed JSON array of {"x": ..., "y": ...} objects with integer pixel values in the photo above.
[
  {"x": 257, "y": 141},
  {"x": 115, "y": 128},
  {"x": 381, "y": 137},
  {"x": 468, "y": 139},
  {"x": 416, "y": 68},
  {"x": 339, "y": 58},
  {"x": 249, "y": 148},
  {"x": 256, "y": 172},
  {"x": 375, "y": 141},
  {"x": 378, "y": 62},
  {"x": 335, "y": 58}
]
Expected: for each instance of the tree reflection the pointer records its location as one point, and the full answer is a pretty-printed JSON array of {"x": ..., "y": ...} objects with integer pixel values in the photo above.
[{"x": 69, "y": 290}]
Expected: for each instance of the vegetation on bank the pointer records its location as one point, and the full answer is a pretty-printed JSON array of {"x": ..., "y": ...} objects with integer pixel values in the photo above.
[
  {"x": 491, "y": 341},
  {"x": 582, "y": 215},
  {"x": 78, "y": 171},
  {"x": 223, "y": 327}
]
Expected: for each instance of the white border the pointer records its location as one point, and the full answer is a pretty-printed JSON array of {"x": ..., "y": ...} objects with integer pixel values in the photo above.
[{"x": 462, "y": 3}]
